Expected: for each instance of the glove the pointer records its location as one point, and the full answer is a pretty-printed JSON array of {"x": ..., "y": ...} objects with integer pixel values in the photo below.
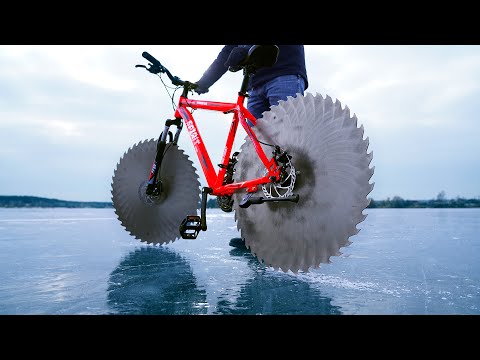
[{"x": 201, "y": 87}]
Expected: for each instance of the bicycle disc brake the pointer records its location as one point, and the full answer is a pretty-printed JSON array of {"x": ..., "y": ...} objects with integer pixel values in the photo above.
[
  {"x": 154, "y": 219},
  {"x": 284, "y": 187},
  {"x": 332, "y": 166}
]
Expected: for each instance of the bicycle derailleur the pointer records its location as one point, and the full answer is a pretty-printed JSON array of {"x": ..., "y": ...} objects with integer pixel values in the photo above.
[{"x": 225, "y": 202}]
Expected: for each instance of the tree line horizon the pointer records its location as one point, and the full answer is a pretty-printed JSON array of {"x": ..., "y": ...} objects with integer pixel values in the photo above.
[{"x": 441, "y": 201}]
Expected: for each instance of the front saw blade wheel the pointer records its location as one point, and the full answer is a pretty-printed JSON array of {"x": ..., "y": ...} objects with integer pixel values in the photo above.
[
  {"x": 154, "y": 220},
  {"x": 329, "y": 155}
]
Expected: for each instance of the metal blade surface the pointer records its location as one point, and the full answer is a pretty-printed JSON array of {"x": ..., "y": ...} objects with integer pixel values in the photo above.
[
  {"x": 157, "y": 221},
  {"x": 330, "y": 153}
]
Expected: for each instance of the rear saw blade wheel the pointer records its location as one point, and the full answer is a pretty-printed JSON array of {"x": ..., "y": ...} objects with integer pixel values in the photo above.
[
  {"x": 330, "y": 157},
  {"x": 154, "y": 220}
]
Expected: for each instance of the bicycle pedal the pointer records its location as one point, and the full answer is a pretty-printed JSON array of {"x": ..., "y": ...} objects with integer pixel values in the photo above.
[
  {"x": 190, "y": 227},
  {"x": 249, "y": 199}
]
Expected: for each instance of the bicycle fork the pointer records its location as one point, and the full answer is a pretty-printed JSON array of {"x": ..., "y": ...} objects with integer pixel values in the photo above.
[
  {"x": 192, "y": 224},
  {"x": 154, "y": 185}
]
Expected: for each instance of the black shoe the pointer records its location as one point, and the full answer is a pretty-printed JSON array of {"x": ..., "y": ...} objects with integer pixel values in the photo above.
[{"x": 238, "y": 243}]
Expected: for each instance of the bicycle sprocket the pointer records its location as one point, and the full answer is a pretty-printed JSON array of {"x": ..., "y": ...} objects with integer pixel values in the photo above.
[
  {"x": 332, "y": 164},
  {"x": 154, "y": 220}
]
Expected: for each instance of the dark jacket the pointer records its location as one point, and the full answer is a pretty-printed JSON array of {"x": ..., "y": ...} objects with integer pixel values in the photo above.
[{"x": 291, "y": 61}]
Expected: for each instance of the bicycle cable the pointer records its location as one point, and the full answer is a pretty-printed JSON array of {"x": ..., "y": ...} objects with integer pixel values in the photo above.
[
  {"x": 166, "y": 89},
  {"x": 171, "y": 96},
  {"x": 261, "y": 142}
]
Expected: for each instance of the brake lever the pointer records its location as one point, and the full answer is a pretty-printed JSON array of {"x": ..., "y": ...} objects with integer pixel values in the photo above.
[{"x": 154, "y": 69}]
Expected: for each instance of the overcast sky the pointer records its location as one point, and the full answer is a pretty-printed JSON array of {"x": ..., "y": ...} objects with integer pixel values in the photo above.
[{"x": 68, "y": 113}]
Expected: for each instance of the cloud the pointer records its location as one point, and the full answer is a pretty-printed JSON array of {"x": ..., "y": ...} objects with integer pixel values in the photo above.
[
  {"x": 68, "y": 113},
  {"x": 400, "y": 86}
]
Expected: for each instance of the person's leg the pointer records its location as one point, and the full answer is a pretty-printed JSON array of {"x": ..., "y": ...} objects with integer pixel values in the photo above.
[
  {"x": 260, "y": 99},
  {"x": 238, "y": 243},
  {"x": 257, "y": 102},
  {"x": 282, "y": 87}
]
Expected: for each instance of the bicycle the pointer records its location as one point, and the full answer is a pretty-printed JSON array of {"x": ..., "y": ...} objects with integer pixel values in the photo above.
[{"x": 161, "y": 207}]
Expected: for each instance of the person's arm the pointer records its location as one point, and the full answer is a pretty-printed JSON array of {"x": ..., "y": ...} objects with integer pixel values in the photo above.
[{"x": 215, "y": 71}]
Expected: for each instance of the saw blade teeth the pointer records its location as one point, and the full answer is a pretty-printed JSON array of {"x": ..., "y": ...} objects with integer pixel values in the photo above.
[
  {"x": 347, "y": 113},
  {"x": 369, "y": 157},
  {"x": 354, "y": 120},
  {"x": 366, "y": 142},
  {"x": 333, "y": 184},
  {"x": 154, "y": 223}
]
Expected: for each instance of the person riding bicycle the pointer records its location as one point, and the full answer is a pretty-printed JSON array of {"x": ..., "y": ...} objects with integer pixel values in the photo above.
[{"x": 267, "y": 86}]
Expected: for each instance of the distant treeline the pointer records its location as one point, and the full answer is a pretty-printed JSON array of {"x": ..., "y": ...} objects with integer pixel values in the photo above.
[
  {"x": 398, "y": 202},
  {"x": 395, "y": 202},
  {"x": 34, "y": 201}
]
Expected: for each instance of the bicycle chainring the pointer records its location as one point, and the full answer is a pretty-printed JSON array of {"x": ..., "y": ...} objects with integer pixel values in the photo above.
[{"x": 225, "y": 203}]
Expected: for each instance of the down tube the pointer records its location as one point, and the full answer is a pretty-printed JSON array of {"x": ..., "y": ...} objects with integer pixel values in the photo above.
[{"x": 199, "y": 146}]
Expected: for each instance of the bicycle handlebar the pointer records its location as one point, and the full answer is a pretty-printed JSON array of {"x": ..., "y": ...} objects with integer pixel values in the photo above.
[
  {"x": 150, "y": 58},
  {"x": 156, "y": 67}
]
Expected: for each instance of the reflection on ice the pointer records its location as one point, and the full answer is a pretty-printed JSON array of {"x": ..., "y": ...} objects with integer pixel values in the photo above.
[
  {"x": 73, "y": 261},
  {"x": 154, "y": 280}
]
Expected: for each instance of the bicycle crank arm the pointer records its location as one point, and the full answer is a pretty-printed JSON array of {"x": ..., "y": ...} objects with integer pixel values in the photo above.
[
  {"x": 249, "y": 199},
  {"x": 193, "y": 224}
]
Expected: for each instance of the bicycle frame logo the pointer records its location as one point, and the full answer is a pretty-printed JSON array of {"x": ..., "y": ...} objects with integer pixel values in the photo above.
[
  {"x": 193, "y": 132},
  {"x": 240, "y": 114}
]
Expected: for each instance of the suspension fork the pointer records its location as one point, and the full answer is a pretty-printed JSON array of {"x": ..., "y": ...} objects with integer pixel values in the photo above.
[{"x": 154, "y": 186}]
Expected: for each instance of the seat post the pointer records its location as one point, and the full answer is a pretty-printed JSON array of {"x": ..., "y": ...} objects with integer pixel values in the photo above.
[{"x": 247, "y": 73}]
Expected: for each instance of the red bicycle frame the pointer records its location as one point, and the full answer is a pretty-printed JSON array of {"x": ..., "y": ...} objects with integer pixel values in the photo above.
[{"x": 240, "y": 114}]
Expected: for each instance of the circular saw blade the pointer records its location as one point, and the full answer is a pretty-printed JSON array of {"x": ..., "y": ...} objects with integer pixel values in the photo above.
[
  {"x": 157, "y": 221},
  {"x": 330, "y": 154}
]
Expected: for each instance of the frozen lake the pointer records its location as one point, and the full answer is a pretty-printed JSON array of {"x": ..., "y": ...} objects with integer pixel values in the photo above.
[{"x": 82, "y": 261}]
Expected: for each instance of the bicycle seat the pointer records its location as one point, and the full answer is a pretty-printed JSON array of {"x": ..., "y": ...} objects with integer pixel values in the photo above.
[
  {"x": 258, "y": 56},
  {"x": 262, "y": 55}
]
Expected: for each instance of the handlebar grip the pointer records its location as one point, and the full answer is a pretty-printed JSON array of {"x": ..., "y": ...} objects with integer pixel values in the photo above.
[{"x": 150, "y": 58}]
